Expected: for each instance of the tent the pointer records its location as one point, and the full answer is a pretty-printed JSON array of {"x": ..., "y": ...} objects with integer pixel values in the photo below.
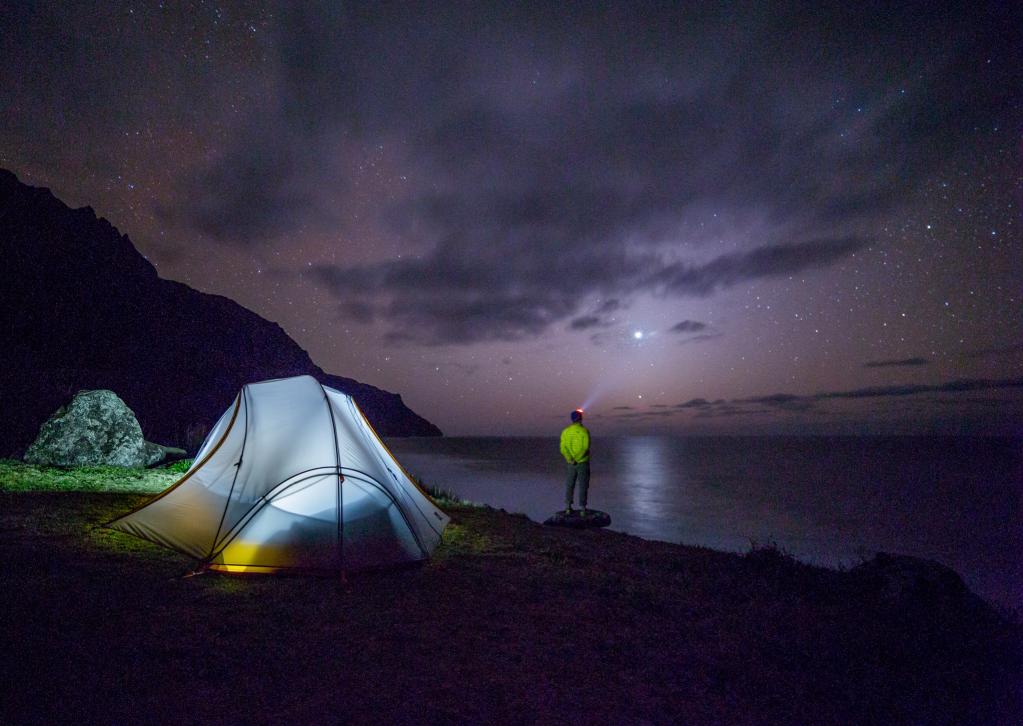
[{"x": 292, "y": 477}]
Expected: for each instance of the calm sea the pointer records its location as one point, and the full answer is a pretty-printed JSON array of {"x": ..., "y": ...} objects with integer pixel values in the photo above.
[{"x": 827, "y": 500}]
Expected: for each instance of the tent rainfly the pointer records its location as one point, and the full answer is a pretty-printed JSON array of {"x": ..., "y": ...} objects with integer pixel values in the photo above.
[{"x": 292, "y": 477}]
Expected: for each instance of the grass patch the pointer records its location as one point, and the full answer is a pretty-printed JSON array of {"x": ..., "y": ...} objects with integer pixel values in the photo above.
[
  {"x": 459, "y": 539},
  {"x": 17, "y": 476},
  {"x": 180, "y": 466}
]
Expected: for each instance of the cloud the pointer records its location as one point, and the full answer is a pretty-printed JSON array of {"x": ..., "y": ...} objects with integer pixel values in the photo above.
[
  {"x": 788, "y": 402},
  {"x": 687, "y": 326},
  {"x": 608, "y": 306},
  {"x": 728, "y": 411},
  {"x": 641, "y": 415},
  {"x": 694, "y": 403},
  {"x": 898, "y": 363},
  {"x": 599, "y": 318},
  {"x": 813, "y": 404},
  {"x": 700, "y": 338},
  {"x": 455, "y": 296},
  {"x": 781, "y": 402},
  {"x": 997, "y": 351},
  {"x": 458, "y": 295},
  {"x": 588, "y": 321},
  {"x": 767, "y": 261},
  {"x": 957, "y": 386},
  {"x": 542, "y": 163}
]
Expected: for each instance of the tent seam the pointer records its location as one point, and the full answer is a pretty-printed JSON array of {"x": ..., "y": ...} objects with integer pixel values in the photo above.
[
  {"x": 340, "y": 479},
  {"x": 188, "y": 474},
  {"x": 384, "y": 463},
  {"x": 265, "y": 500},
  {"x": 234, "y": 480}
]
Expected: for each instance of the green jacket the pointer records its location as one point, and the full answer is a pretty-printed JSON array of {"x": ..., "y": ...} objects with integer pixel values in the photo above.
[{"x": 575, "y": 444}]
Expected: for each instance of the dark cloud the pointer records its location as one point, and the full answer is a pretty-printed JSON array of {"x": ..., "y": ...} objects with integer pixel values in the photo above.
[
  {"x": 599, "y": 317},
  {"x": 700, "y": 338},
  {"x": 959, "y": 385},
  {"x": 581, "y": 155},
  {"x": 252, "y": 194},
  {"x": 797, "y": 403},
  {"x": 687, "y": 326},
  {"x": 770, "y": 261},
  {"x": 781, "y": 402},
  {"x": 897, "y": 363},
  {"x": 728, "y": 411},
  {"x": 451, "y": 296},
  {"x": 586, "y": 322},
  {"x": 275, "y": 175},
  {"x": 641, "y": 415},
  {"x": 694, "y": 403},
  {"x": 997, "y": 351},
  {"x": 608, "y": 306},
  {"x": 788, "y": 403}
]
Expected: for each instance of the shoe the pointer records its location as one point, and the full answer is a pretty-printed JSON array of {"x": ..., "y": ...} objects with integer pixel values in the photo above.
[
  {"x": 583, "y": 512},
  {"x": 568, "y": 512}
]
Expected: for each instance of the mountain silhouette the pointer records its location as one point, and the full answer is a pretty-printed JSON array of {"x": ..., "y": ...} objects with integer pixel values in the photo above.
[{"x": 81, "y": 308}]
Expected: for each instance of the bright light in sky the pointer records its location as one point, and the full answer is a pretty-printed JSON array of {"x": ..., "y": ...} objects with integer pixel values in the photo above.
[{"x": 638, "y": 335}]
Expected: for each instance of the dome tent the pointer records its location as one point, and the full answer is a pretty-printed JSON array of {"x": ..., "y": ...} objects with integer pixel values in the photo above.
[{"x": 292, "y": 477}]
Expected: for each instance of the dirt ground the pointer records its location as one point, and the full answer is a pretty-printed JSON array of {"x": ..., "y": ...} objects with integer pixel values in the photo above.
[{"x": 510, "y": 622}]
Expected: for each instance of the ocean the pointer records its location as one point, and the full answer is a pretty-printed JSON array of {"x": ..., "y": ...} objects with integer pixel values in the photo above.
[{"x": 832, "y": 501}]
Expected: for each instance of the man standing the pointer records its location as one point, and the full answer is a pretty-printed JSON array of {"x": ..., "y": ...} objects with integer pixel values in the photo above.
[{"x": 575, "y": 447}]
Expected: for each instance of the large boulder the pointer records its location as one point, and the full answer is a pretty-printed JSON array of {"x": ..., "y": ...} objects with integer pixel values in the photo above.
[
  {"x": 96, "y": 428},
  {"x": 904, "y": 579}
]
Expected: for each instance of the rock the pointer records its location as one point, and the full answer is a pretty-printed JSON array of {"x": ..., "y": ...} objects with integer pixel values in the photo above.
[
  {"x": 96, "y": 428},
  {"x": 594, "y": 518},
  {"x": 911, "y": 579},
  {"x": 155, "y": 453}
]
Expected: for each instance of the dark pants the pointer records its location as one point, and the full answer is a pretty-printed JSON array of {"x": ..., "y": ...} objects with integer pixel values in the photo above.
[{"x": 577, "y": 473}]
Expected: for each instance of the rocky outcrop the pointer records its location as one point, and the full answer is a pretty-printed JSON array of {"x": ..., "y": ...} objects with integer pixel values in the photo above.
[
  {"x": 575, "y": 519},
  {"x": 176, "y": 356},
  {"x": 95, "y": 428},
  {"x": 903, "y": 579}
]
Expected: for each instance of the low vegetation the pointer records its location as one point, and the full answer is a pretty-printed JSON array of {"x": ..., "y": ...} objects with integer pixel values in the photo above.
[
  {"x": 17, "y": 476},
  {"x": 441, "y": 496}
]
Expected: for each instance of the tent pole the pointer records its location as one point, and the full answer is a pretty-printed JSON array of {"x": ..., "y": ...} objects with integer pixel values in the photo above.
[
  {"x": 244, "y": 400},
  {"x": 340, "y": 480}
]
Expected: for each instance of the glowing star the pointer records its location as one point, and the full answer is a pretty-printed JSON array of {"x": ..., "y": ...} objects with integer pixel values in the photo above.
[{"x": 638, "y": 335}]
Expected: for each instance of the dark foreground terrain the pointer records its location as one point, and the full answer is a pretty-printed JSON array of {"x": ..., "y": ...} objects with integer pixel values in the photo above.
[{"x": 511, "y": 621}]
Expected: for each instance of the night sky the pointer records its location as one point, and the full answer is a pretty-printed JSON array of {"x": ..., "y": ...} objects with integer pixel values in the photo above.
[{"x": 743, "y": 218}]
